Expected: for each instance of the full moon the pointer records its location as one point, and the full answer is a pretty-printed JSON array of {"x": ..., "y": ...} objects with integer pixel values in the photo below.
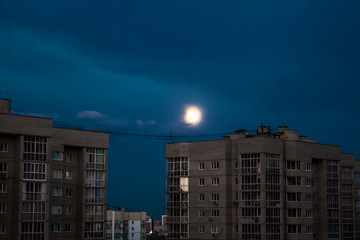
[{"x": 193, "y": 115}]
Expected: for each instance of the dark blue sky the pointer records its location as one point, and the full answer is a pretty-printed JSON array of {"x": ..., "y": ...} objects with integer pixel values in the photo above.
[{"x": 137, "y": 64}]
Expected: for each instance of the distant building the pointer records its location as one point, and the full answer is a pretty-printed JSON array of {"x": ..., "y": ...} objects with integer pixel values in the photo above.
[
  {"x": 123, "y": 225},
  {"x": 262, "y": 186},
  {"x": 149, "y": 225},
  {"x": 159, "y": 228},
  {"x": 163, "y": 220},
  {"x": 53, "y": 180}
]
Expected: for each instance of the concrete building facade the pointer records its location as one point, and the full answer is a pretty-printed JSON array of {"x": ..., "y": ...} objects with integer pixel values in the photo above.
[
  {"x": 123, "y": 225},
  {"x": 53, "y": 180},
  {"x": 262, "y": 186}
]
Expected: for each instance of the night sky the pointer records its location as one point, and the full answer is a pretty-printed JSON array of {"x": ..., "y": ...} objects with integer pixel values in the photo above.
[{"x": 134, "y": 66}]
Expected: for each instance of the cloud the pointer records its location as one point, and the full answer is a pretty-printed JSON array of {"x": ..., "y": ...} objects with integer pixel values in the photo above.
[
  {"x": 34, "y": 114},
  {"x": 92, "y": 115},
  {"x": 144, "y": 123}
]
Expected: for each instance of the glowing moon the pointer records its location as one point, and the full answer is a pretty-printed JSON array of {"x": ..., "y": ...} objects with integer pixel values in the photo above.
[{"x": 192, "y": 116}]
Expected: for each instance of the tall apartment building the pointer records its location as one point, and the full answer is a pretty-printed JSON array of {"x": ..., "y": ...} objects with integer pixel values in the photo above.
[
  {"x": 123, "y": 225},
  {"x": 262, "y": 186},
  {"x": 53, "y": 180}
]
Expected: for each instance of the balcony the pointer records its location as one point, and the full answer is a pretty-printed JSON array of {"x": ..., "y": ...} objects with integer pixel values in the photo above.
[
  {"x": 94, "y": 217},
  {"x": 94, "y": 183},
  {"x": 94, "y": 200},
  {"x": 177, "y": 219},
  {"x": 33, "y": 196}
]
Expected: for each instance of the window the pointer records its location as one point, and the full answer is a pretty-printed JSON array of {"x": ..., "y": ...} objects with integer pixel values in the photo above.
[
  {"x": 201, "y": 197},
  {"x": 3, "y": 187},
  {"x": 310, "y": 229},
  {"x": 294, "y": 228},
  {"x": 294, "y": 197},
  {"x": 3, "y": 147},
  {"x": 34, "y": 171},
  {"x": 236, "y": 180},
  {"x": 57, "y": 174},
  {"x": 332, "y": 201},
  {"x": 332, "y": 186},
  {"x": 215, "y": 229},
  {"x": 201, "y": 182},
  {"x": 57, "y": 191},
  {"x": 236, "y": 164},
  {"x": 201, "y": 213},
  {"x": 309, "y": 213},
  {"x": 332, "y": 169},
  {"x": 56, "y": 210},
  {"x": 68, "y": 175},
  {"x": 68, "y": 192},
  {"x": 68, "y": 157},
  {"x": 294, "y": 212},
  {"x": 2, "y": 207},
  {"x": 296, "y": 181},
  {"x": 308, "y": 183},
  {"x": 201, "y": 166},
  {"x": 201, "y": 229},
  {"x": 2, "y": 228},
  {"x": 214, "y": 165},
  {"x": 214, "y": 181},
  {"x": 67, "y": 227},
  {"x": 95, "y": 158},
  {"x": 68, "y": 210},
  {"x": 3, "y": 168},
  {"x": 59, "y": 156},
  {"x": 293, "y": 165},
  {"x": 34, "y": 148},
  {"x": 214, "y": 212},
  {"x": 56, "y": 227},
  {"x": 215, "y": 197},
  {"x": 308, "y": 167},
  {"x": 309, "y": 198}
]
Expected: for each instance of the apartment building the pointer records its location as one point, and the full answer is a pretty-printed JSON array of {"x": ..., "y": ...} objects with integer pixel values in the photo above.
[
  {"x": 53, "y": 180},
  {"x": 123, "y": 225},
  {"x": 262, "y": 186}
]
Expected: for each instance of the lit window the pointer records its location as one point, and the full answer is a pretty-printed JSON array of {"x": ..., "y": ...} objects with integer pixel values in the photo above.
[
  {"x": 56, "y": 210},
  {"x": 57, "y": 174},
  {"x": 201, "y": 166},
  {"x": 57, "y": 191},
  {"x": 215, "y": 229},
  {"x": 59, "y": 156},
  {"x": 68, "y": 175},
  {"x": 3, "y": 147},
  {"x": 56, "y": 227}
]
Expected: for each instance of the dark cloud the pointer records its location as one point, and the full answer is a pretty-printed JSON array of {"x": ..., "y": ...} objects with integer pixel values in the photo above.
[{"x": 243, "y": 62}]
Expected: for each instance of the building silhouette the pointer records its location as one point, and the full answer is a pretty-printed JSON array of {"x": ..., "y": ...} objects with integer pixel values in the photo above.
[
  {"x": 262, "y": 186},
  {"x": 53, "y": 180}
]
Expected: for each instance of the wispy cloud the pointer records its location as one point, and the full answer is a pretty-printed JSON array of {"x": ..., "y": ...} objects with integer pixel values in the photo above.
[
  {"x": 145, "y": 123},
  {"x": 92, "y": 115},
  {"x": 34, "y": 114}
]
